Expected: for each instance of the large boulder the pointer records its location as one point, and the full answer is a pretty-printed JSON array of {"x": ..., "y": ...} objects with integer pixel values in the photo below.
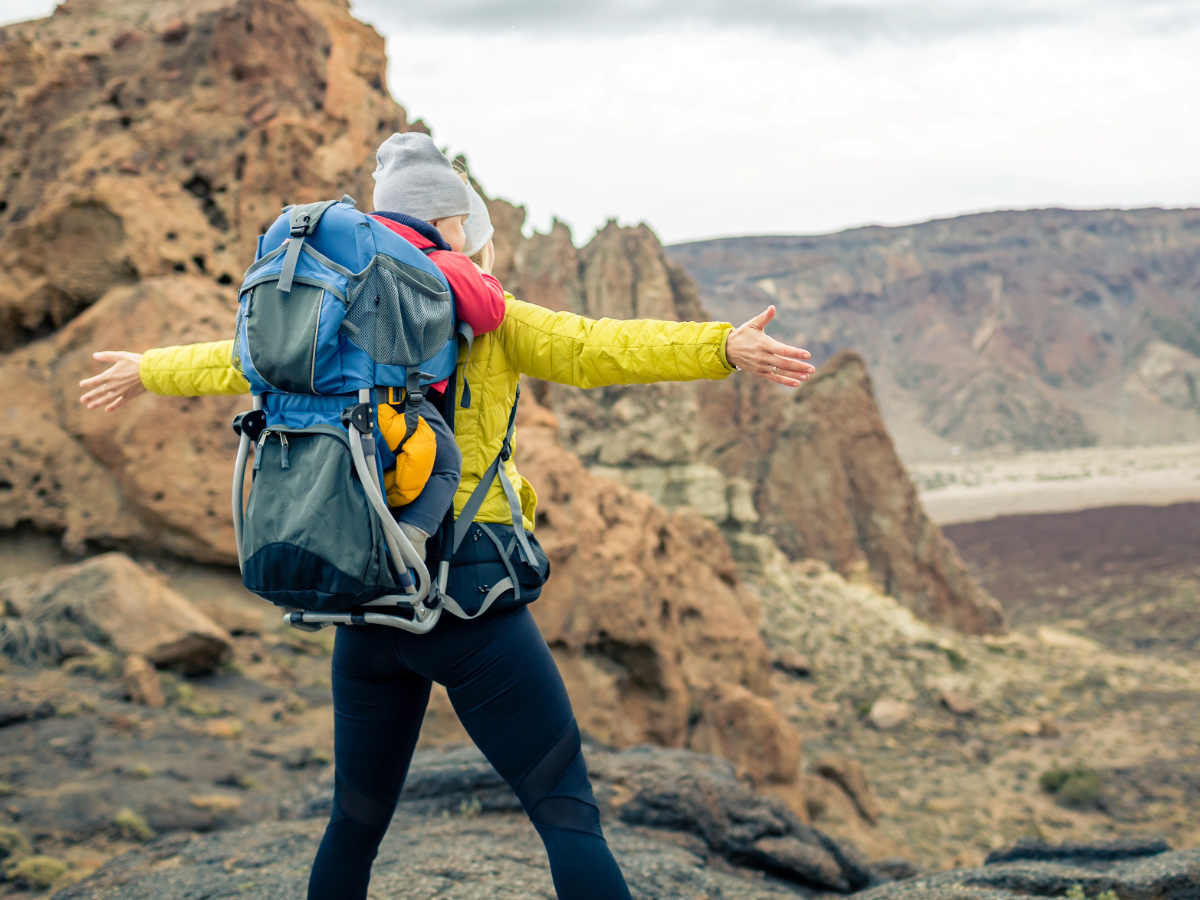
[{"x": 113, "y": 603}]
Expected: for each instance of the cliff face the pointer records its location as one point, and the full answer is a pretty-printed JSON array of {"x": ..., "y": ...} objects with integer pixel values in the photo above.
[
  {"x": 1029, "y": 330},
  {"x": 147, "y": 139}
]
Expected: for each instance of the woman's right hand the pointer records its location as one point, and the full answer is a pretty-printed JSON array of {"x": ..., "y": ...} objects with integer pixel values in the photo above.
[{"x": 120, "y": 382}]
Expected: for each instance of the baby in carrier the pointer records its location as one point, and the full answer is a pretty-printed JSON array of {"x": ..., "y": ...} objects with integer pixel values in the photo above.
[{"x": 420, "y": 196}]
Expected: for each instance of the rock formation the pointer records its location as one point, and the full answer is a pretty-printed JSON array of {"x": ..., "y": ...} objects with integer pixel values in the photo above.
[
  {"x": 815, "y": 469},
  {"x": 654, "y": 636},
  {"x": 1039, "y": 329},
  {"x": 112, "y": 603},
  {"x": 146, "y": 139}
]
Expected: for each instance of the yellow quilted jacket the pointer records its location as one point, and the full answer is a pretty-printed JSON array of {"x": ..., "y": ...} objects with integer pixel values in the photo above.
[{"x": 532, "y": 340}]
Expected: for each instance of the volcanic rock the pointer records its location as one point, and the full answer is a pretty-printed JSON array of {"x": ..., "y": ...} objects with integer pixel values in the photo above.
[
  {"x": 669, "y": 791},
  {"x": 655, "y": 638},
  {"x": 1131, "y": 869},
  {"x": 889, "y": 714},
  {"x": 141, "y": 680},
  {"x": 115, "y": 603}
]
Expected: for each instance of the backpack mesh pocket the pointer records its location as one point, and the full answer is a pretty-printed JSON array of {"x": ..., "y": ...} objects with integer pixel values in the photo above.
[
  {"x": 396, "y": 316},
  {"x": 281, "y": 334}
]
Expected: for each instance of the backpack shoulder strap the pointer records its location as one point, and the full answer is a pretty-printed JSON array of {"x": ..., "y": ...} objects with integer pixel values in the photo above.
[
  {"x": 302, "y": 222},
  {"x": 497, "y": 470}
]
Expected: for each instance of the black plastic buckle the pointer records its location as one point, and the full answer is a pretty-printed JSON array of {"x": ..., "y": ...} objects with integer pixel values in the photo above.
[
  {"x": 361, "y": 416},
  {"x": 300, "y": 229},
  {"x": 250, "y": 423},
  {"x": 505, "y": 452}
]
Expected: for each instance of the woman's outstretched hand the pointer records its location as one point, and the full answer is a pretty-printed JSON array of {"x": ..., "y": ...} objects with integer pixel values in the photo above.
[
  {"x": 120, "y": 382},
  {"x": 749, "y": 348}
]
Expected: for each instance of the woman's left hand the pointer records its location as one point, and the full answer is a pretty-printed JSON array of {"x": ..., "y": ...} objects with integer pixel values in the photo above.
[{"x": 749, "y": 348}]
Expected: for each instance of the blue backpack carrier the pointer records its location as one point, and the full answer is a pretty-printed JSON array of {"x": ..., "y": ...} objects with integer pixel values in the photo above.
[{"x": 337, "y": 314}]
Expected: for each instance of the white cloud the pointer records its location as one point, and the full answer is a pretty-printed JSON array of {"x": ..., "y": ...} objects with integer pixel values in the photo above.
[{"x": 703, "y": 133}]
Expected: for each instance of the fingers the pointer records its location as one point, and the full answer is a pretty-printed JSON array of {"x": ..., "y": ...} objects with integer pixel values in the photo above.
[
  {"x": 107, "y": 355},
  {"x": 97, "y": 380},
  {"x": 100, "y": 397},
  {"x": 780, "y": 349},
  {"x": 787, "y": 364}
]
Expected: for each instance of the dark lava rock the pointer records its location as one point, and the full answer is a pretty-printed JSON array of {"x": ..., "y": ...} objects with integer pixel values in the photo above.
[
  {"x": 14, "y": 711},
  {"x": 1133, "y": 870},
  {"x": 1079, "y": 854},
  {"x": 671, "y": 791},
  {"x": 496, "y": 857}
]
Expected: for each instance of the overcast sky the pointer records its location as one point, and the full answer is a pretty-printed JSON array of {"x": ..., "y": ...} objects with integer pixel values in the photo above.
[{"x": 708, "y": 118}]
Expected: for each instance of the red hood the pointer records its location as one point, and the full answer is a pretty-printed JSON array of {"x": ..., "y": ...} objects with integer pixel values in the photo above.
[{"x": 411, "y": 235}]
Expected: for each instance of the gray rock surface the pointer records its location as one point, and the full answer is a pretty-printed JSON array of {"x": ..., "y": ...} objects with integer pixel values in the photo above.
[
  {"x": 688, "y": 799},
  {"x": 493, "y": 857},
  {"x": 1133, "y": 870}
]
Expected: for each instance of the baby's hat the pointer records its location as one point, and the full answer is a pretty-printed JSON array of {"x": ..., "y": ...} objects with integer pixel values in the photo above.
[
  {"x": 412, "y": 176},
  {"x": 478, "y": 226}
]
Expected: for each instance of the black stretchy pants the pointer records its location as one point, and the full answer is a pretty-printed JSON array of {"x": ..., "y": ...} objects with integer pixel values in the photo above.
[{"x": 509, "y": 696}]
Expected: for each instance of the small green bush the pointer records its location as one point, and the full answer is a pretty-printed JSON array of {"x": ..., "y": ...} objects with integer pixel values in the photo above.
[
  {"x": 1078, "y": 786},
  {"x": 13, "y": 844},
  {"x": 38, "y": 871},
  {"x": 132, "y": 826},
  {"x": 957, "y": 661}
]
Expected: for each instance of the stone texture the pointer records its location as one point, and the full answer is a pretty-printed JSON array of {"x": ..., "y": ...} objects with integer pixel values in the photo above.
[
  {"x": 113, "y": 602},
  {"x": 851, "y": 776},
  {"x": 149, "y": 157},
  {"x": 887, "y": 715},
  {"x": 1032, "y": 329},
  {"x": 814, "y": 469},
  {"x": 674, "y": 793},
  {"x": 1147, "y": 872},
  {"x": 141, "y": 680},
  {"x": 654, "y": 636}
]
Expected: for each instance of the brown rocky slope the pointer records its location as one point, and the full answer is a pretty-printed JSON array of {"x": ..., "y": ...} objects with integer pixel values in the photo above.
[{"x": 1037, "y": 329}]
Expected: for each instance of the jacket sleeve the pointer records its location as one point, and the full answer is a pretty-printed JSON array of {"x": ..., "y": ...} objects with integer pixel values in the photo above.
[
  {"x": 193, "y": 370},
  {"x": 478, "y": 298},
  {"x": 571, "y": 349}
]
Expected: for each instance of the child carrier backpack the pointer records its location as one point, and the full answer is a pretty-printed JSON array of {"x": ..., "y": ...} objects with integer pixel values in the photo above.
[{"x": 337, "y": 314}]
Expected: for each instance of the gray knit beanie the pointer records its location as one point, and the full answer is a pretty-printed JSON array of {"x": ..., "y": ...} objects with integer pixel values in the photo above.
[
  {"x": 478, "y": 226},
  {"x": 412, "y": 176}
]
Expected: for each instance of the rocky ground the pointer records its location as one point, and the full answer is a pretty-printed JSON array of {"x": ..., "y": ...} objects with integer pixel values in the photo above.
[
  {"x": 921, "y": 744},
  {"x": 973, "y": 743}
]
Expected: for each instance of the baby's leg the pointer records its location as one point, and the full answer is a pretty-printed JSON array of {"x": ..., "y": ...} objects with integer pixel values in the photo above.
[{"x": 427, "y": 511}]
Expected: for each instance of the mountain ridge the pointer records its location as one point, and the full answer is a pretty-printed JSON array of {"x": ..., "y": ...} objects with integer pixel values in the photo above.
[{"x": 1028, "y": 329}]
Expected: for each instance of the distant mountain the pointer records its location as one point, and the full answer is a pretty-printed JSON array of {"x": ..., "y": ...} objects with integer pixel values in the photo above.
[{"x": 1040, "y": 329}]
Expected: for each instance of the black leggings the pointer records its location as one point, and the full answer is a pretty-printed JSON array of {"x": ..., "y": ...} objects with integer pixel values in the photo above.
[{"x": 509, "y": 696}]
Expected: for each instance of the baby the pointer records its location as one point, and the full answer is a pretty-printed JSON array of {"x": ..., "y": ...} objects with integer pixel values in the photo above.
[{"x": 420, "y": 196}]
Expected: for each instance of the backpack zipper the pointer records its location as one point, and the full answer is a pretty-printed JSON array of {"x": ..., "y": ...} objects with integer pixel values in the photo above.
[
  {"x": 283, "y": 451},
  {"x": 258, "y": 452}
]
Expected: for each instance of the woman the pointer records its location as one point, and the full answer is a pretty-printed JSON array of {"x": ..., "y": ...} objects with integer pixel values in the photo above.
[{"x": 497, "y": 669}]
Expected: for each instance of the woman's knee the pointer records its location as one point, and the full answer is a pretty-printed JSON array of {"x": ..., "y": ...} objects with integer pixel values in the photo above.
[{"x": 557, "y": 792}]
